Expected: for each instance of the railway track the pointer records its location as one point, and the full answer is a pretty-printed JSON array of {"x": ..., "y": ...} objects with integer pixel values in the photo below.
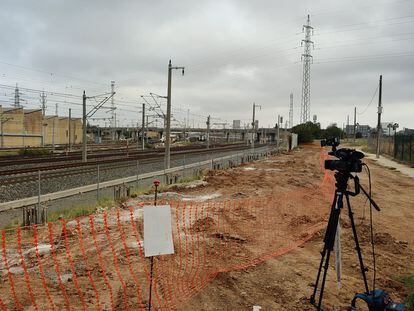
[
  {"x": 97, "y": 154},
  {"x": 19, "y": 176}
]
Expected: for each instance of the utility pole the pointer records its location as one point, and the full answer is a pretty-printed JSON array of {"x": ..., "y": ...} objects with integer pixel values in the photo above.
[
  {"x": 208, "y": 132},
  {"x": 354, "y": 124},
  {"x": 379, "y": 128},
  {"x": 279, "y": 121},
  {"x": 168, "y": 121},
  {"x": 53, "y": 133},
  {"x": 84, "y": 154},
  {"x": 254, "y": 123},
  {"x": 113, "y": 112},
  {"x": 70, "y": 129},
  {"x": 188, "y": 121},
  {"x": 307, "y": 60},
  {"x": 347, "y": 128},
  {"x": 291, "y": 111},
  {"x": 143, "y": 127},
  {"x": 43, "y": 103}
]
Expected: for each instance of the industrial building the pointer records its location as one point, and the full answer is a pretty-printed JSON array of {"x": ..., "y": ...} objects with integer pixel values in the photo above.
[{"x": 20, "y": 128}]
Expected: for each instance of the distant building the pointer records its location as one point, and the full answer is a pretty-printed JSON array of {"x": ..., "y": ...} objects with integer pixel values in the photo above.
[
  {"x": 236, "y": 124},
  {"x": 364, "y": 130}
]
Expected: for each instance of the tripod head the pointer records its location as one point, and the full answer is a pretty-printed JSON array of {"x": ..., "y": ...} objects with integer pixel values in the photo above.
[{"x": 349, "y": 159}]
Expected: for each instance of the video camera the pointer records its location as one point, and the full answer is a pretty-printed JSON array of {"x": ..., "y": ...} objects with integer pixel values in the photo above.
[{"x": 349, "y": 159}]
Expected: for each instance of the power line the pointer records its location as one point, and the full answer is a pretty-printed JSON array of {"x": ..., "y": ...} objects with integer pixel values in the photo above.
[{"x": 370, "y": 102}]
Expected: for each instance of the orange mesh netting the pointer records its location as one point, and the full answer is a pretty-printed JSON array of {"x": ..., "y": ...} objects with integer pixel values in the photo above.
[{"x": 97, "y": 262}]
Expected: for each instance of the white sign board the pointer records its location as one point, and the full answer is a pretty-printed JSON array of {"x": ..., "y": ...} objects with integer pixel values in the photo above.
[{"x": 157, "y": 230}]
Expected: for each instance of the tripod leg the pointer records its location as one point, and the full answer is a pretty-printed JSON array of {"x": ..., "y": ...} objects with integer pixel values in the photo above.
[
  {"x": 357, "y": 247},
  {"x": 323, "y": 252},
  {"x": 330, "y": 244}
]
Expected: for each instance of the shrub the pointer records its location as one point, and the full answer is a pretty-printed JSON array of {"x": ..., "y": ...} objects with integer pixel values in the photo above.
[
  {"x": 34, "y": 152},
  {"x": 307, "y": 132}
]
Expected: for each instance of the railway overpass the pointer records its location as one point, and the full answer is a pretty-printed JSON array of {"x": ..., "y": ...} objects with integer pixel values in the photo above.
[{"x": 156, "y": 133}]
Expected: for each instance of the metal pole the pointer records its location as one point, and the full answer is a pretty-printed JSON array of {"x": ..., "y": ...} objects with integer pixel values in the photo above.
[
  {"x": 389, "y": 138},
  {"x": 156, "y": 184},
  {"x": 347, "y": 128},
  {"x": 143, "y": 127},
  {"x": 379, "y": 129},
  {"x": 168, "y": 116},
  {"x": 97, "y": 188},
  {"x": 1, "y": 129},
  {"x": 208, "y": 132},
  {"x": 278, "y": 133},
  {"x": 38, "y": 192},
  {"x": 146, "y": 129},
  {"x": 395, "y": 144},
  {"x": 168, "y": 121},
  {"x": 112, "y": 111},
  {"x": 70, "y": 129},
  {"x": 84, "y": 154},
  {"x": 53, "y": 134},
  {"x": 354, "y": 124},
  {"x": 253, "y": 124},
  {"x": 137, "y": 174}
]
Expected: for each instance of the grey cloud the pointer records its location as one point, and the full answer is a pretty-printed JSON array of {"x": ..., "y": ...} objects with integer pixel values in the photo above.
[{"x": 235, "y": 52}]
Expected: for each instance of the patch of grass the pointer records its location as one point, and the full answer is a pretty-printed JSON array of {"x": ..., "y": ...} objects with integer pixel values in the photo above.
[
  {"x": 408, "y": 281},
  {"x": 188, "y": 179},
  {"x": 359, "y": 142},
  {"x": 13, "y": 224},
  {"x": 8, "y": 152},
  {"x": 78, "y": 210},
  {"x": 34, "y": 152},
  {"x": 140, "y": 191}
]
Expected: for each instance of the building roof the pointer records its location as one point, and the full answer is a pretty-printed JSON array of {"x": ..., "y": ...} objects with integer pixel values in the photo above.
[
  {"x": 31, "y": 110},
  {"x": 8, "y": 109}
]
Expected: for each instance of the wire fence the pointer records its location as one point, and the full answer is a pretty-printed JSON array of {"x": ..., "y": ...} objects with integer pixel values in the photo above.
[
  {"x": 400, "y": 147},
  {"x": 98, "y": 261}
]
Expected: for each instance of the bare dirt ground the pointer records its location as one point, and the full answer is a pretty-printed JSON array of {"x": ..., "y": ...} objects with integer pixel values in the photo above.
[
  {"x": 229, "y": 234},
  {"x": 283, "y": 283}
]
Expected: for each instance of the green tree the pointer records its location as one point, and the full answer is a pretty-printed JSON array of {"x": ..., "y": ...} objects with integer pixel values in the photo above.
[
  {"x": 332, "y": 131},
  {"x": 307, "y": 132}
]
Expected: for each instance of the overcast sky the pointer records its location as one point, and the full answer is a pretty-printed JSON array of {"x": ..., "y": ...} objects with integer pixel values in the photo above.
[{"x": 235, "y": 53}]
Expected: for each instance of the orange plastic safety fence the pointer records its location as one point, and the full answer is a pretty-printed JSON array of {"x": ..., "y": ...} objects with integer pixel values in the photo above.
[{"x": 98, "y": 262}]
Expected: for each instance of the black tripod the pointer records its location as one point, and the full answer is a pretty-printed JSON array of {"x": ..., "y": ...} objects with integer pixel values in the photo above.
[{"x": 342, "y": 178}]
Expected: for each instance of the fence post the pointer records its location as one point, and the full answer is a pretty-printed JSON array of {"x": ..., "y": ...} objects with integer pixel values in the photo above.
[
  {"x": 97, "y": 187},
  {"x": 38, "y": 196},
  {"x": 137, "y": 172},
  {"x": 184, "y": 166},
  {"x": 395, "y": 147},
  {"x": 402, "y": 148},
  {"x": 411, "y": 143}
]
